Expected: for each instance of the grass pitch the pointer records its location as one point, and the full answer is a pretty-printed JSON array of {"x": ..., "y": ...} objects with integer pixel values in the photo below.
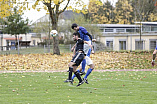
[{"x": 125, "y": 87}]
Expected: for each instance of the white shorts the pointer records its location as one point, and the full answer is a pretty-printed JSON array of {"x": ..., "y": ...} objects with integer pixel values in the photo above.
[
  {"x": 88, "y": 60},
  {"x": 86, "y": 47}
]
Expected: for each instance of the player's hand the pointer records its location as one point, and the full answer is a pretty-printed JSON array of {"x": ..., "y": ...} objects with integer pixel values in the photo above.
[
  {"x": 72, "y": 49},
  {"x": 93, "y": 40},
  {"x": 72, "y": 55},
  {"x": 93, "y": 52},
  {"x": 153, "y": 63},
  {"x": 90, "y": 46}
]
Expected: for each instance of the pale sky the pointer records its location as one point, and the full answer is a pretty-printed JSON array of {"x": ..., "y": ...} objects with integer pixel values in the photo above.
[{"x": 33, "y": 15}]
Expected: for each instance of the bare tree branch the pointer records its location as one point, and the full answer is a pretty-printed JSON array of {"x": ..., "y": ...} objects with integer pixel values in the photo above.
[{"x": 64, "y": 7}]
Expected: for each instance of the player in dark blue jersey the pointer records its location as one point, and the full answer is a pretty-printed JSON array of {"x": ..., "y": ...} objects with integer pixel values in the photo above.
[
  {"x": 154, "y": 56},
  {"x": 78, "y": 56}
]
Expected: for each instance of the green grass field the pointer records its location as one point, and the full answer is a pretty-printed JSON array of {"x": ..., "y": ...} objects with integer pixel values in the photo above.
[{"x": 125, "y": 87}]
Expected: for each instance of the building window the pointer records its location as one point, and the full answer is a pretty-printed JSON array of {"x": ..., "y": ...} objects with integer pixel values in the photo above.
[
  {"x": 153, "y": 44},
  {"x": 139, "y": 45},
  {"x": 146, "y": 28},
  {"x": 108, "y": 30},
  {"x": 101, "y": 30},
  {"x": 120, "y": 30},
  {"x": 122, "y": 45},
  {"x": 154, "y": 28},
  {"x": 109, "y": 44},
  {"x": 130, "y": 30}
]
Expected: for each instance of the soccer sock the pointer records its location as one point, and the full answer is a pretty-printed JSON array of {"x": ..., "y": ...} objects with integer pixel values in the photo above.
[
  {"x": 70, "y": 72},
  {"x": 88, "y": 72},
  {"x": 78, "y": 76},
  {"x": 83, "y": 65},
  {"x": 75, "y": 75}
]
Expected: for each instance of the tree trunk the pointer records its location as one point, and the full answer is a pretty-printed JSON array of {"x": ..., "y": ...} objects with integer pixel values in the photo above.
[
  {"x": 56, "y": 49},
  {"x": 56, "y": 46},
  {"x": 16, "y": 42}
]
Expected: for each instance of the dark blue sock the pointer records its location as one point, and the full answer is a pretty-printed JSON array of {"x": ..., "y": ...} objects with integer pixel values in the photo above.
[
  {"x": 83, "y": 65},
  {"x": 75, "y": 75},
  {"x": 88, "y": 72}
]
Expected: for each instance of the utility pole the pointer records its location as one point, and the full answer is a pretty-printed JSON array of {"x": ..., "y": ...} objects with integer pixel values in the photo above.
[{"x": 49, "y": 36}]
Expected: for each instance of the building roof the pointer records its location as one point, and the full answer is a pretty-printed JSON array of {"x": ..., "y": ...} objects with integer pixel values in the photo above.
[
  {"x": 11, "y": 38},
  {"x": 116, "y": 25},
  {"x": 47, "y": 38},
  {"x": 128, "y": 34},
  {"x": 147, "y": 22}
]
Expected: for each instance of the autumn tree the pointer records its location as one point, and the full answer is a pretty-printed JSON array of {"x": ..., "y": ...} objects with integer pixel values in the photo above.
[
  {"x": 108, "y": 10},
  {"x": 54, "y": 9},
  {"x": 123, "y": 11},
  {"x": 5, "y": 8},
  {"x": 93, "y": 8},
  {"x": 102, "y": 12},
  {"x": 143, "y": 9}
]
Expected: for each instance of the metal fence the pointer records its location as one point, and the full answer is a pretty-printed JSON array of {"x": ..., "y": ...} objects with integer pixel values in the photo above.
[{"x": 45, "y": 49}]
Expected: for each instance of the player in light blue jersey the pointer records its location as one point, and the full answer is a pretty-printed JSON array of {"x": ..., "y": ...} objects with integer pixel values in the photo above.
[
  {"x": 154, "y": 56},
  {"x": 85, "y": 36}
]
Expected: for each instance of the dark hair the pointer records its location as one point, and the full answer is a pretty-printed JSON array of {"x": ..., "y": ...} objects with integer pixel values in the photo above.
[
  {"x": 76, "y": 34},
  {"x": 74, "y": 25}
]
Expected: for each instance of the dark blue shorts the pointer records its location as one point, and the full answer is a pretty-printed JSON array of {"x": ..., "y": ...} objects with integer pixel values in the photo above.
[{"x": 77, "y": 59}]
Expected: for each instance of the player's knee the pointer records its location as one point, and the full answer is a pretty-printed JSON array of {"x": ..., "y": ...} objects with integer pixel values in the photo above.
[
  {"x": 70, "y": 64},
  {"x": 92, "y": 66}
]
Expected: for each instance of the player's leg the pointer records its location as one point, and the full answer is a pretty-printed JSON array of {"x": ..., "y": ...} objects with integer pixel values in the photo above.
[
  {"x": 75, "y": 75},
  {"x": 90, "y": 63},
  {"x": 87, "y": 51},
  {"x": 70, "y": 73},
  {"x": 82, "y": 69},
  {"x": 78, "y": 62},
  {"x": 71, "y": 64}
]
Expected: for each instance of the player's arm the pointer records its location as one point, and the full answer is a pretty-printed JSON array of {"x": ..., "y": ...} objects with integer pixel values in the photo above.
[
  {"x": 73, "y": 48},
  {"x": 90, "y": 36},
  {"x": 74, "y": 52},
  {"x": 154, "y": 56},
  {"x": 88, "y": 44}
]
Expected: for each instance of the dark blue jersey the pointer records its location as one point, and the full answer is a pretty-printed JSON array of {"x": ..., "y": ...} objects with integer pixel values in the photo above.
[
  {"x": 79, "y": 45},
  {"x": 83, "y": 33},
  {"x": 156, "y": 48}
]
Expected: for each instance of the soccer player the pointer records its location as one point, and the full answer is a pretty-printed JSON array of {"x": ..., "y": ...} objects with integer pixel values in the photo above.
[
  {"x": 78, "y": 56},
  {"x": 85, "y": 36},
  {"x": 154, "y": 56}
]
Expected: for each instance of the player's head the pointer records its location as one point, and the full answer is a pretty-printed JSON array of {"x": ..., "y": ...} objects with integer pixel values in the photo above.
[
  {"x": 74, "y": 26},
  {"x": 76, "y": 35}
]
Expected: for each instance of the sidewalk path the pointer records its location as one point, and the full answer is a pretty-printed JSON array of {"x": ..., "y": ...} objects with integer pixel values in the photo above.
[{"x": 51, "y": 71}]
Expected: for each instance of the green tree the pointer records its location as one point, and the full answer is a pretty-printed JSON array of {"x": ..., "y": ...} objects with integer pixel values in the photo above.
[{"x": 16, "y": 25}]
